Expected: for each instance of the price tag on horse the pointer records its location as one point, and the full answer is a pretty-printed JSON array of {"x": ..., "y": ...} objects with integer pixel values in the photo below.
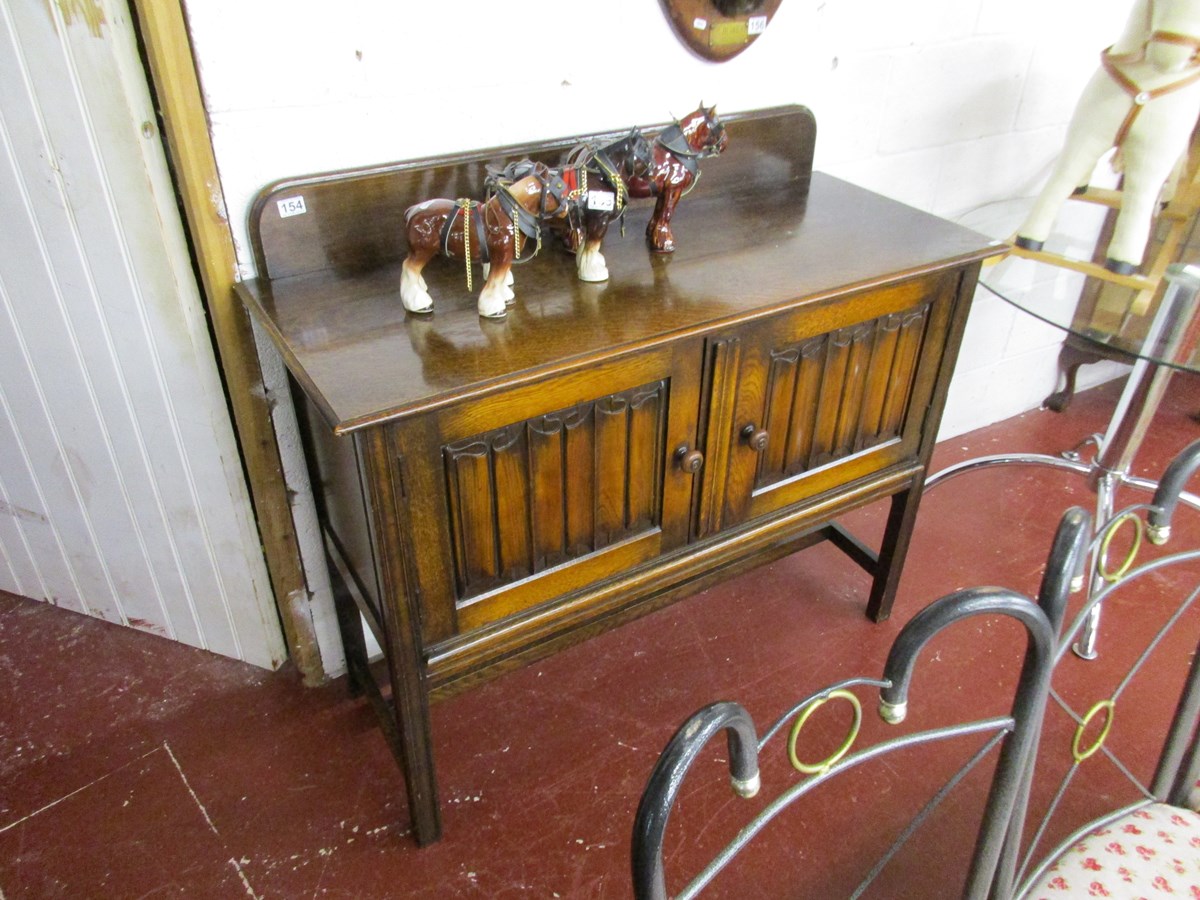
[{"x": 605, "y": 201}]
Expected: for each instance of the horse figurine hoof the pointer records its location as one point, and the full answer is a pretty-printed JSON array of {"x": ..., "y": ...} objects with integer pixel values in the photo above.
[
  {"x": 1028, "y": 243},
  {"x": 590, "y": 266},
  {"x": 413, "y": 292},
  {"x": 493, "y": 309},
  {"x": 661, "y": 239}
]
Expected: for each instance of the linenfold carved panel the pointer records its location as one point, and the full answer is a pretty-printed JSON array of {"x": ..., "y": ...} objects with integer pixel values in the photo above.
[
  {"x": 838, "y": 393},
  {"x": 557, "y": 487}
]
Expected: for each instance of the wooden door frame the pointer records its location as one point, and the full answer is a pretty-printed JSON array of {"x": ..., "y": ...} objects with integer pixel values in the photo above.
[{"x": 175, "y": 84}]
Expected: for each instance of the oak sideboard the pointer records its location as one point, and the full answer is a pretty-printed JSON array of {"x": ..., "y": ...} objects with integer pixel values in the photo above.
[{"x": 490, "y": 491}]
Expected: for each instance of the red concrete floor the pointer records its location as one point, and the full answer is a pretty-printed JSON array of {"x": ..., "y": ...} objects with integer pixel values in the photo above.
[{"x": 131, "y": 766}]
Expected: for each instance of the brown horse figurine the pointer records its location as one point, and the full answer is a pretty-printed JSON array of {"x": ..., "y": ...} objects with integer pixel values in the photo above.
[
  {"x": 491, "y": 232},
  {"x": 675, "y": 169},
  {"x": 599, "y": 173}
]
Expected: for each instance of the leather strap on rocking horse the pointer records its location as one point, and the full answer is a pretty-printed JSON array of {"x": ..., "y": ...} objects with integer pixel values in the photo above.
[{"x": 1111, "y": 62}]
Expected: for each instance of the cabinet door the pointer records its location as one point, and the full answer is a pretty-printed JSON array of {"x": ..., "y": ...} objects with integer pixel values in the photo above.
[
  {"x": 829, "y": 393},
  {"x": 524, "y": 496}
]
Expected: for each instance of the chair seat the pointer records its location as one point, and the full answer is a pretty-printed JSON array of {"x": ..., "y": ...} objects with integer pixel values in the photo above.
[{"x": 1153, "y": 852}]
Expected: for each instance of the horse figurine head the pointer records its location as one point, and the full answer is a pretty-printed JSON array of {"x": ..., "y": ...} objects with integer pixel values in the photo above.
[
  {"x": 546, "y": 191},
  {"x": 702, "y": 131},
  {"x": 532, "y": 179},
  {"x": 635, "y": 152}
]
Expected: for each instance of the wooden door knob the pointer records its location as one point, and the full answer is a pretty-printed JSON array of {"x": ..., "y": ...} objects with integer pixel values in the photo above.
[
  {"x": 756, "y": 438},
  {"x": 689, "y": 460}
]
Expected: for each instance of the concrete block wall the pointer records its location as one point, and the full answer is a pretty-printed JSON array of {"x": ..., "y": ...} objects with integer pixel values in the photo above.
[
  {"x": 953, "y": 106},
  {"x": 964, "y": 119}
]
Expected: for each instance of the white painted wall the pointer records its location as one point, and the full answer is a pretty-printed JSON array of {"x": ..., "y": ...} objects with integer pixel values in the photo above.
[
  {"x": 949, "y": 105},
  {"x": 121, "y": 490}
]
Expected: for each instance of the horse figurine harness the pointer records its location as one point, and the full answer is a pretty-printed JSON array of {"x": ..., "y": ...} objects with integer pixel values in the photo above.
[
  {"x": 525, "y": 223},
  {"x": 674, "y": 141},
  {"x": 606, "y": 162}
]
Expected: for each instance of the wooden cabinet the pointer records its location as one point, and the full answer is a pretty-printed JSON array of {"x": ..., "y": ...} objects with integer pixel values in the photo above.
[
  {"x": 551, "y": 487},
  {"x": 492, "y": 491},
  {"x": 825, "y": 396}
]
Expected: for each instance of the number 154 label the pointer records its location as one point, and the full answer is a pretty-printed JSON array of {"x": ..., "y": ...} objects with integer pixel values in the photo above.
[{"x": 292, "y": 206}]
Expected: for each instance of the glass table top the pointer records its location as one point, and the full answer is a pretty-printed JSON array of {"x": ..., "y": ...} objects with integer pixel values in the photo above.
[{"x": 1167, "y": 332}]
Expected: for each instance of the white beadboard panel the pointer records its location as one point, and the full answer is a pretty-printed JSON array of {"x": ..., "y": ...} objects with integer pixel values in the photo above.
[
  {"x": 70, "y": 412},
  {"x": 9, "y": 580},
  {"x": 120, "y": 405},
  {"x": 25, "y": 524},
  {"x": 53, "y": 492},
  {"x": 18, "y": 571}
]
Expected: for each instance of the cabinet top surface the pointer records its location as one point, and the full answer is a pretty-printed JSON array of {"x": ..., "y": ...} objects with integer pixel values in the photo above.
[{"x": 741, "y": 255}]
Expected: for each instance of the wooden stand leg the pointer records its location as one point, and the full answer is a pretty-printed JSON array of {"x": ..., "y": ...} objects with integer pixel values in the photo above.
[
  {"x": 886, "y": 565},
  {"x": 896, "y": 537},
  {"x": 1071, "y": 356}
]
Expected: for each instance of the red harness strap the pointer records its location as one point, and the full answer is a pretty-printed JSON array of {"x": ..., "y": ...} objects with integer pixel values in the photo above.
[{"x": 570, "y": 179}]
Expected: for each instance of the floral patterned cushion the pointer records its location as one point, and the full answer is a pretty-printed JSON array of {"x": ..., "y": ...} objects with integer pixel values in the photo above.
[{"x": 1151, "y": 853}]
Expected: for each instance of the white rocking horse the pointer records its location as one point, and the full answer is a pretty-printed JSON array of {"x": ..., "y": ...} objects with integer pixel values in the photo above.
[{"x": 1143, "y": 100}]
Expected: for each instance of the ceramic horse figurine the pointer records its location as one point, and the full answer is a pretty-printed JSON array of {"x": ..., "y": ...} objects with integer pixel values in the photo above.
[
  {"x": 1144, "y": 100},
  {"x": 676, "y": 168},
  {"x": 599, "y": 173},
  {"x": 491, "y": 232}
]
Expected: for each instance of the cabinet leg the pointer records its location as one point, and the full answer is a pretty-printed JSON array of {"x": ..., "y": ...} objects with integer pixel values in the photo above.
[
  {"x": 404, "y": 718},
  {"x": 893, "y": 549},
  {"x": 349, "y": 622},
  {"x": 414, "y": 741}
]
